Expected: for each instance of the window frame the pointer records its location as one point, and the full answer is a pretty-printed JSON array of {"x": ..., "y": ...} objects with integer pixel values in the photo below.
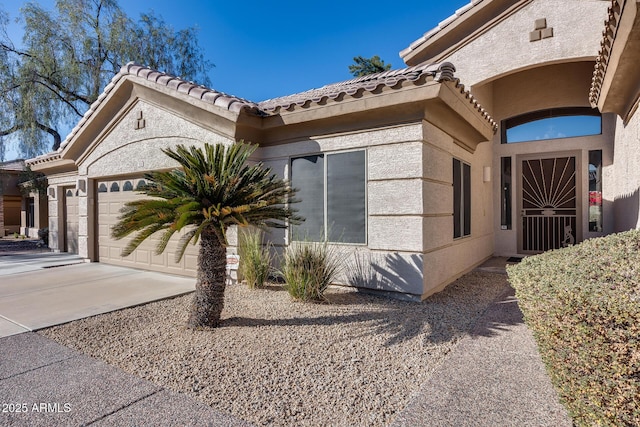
[
  {"x": 325, "y": 166},
  {"x": 463, "y": 215}
]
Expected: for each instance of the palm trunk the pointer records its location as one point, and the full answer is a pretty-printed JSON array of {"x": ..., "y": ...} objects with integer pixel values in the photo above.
[{"x": 208, "y": 300}]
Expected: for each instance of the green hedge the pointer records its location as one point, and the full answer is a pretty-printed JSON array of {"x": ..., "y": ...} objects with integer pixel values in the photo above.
[{"x": 583, "y": 306}]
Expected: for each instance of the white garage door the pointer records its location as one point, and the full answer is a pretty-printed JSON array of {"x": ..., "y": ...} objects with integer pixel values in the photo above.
[{"x": 112, "y": 195}]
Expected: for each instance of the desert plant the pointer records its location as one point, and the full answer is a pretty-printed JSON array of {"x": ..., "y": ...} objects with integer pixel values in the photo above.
[
  {"x": 215, "y": 188},
  {"x": 583, "y": 305},
  {"x": 43, "y": 234},
  {"x": 255, "y": 258},
  {"x": 308, "y": 268}
]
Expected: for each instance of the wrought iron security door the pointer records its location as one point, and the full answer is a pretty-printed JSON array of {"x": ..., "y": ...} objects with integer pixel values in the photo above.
[{"x": 549, "y": 205}]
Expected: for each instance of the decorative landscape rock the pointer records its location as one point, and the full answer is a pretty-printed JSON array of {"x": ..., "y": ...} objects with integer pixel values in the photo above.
[{"x": 355, "y": 360}]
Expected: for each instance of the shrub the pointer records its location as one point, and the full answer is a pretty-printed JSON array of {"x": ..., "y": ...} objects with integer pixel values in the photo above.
[
  {"x": 43, "y": 234},
  {"x": 308, "y": 268},
  {"x": 583, "y": 306},
  {"x": 255, "y": 258}
]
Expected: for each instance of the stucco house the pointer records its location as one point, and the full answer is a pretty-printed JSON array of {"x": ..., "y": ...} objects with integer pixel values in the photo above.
[{"x": 487, "y": 143}]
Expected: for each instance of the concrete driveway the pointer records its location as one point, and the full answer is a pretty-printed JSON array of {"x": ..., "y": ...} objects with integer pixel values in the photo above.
[{"x": 41, "y": 290}]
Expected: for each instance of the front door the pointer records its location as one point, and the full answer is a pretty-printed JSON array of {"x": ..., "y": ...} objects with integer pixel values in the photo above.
[{"x": 549, "y": 205}]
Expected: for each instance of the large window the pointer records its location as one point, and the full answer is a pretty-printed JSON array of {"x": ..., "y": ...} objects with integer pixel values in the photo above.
[
  {"x": 552, "y": 124},
  {"x": 461, "y": 199},
  {"x": 332, "y": 193}
]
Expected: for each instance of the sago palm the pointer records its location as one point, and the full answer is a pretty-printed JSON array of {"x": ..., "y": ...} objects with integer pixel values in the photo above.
[{"x": 213, "y": 189}]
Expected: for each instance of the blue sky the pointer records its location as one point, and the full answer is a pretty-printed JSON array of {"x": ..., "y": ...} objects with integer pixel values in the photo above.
[{"x": 264, "y": 49}]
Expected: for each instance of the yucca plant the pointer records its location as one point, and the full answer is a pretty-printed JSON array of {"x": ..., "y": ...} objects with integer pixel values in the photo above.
[
  {"x": 308, "y": 268},
  {"x": 255, "y": 258},
  {"x": 213, "y": 189}
]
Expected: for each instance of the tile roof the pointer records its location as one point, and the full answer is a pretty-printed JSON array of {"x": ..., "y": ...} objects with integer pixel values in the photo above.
[
  {"x": 369, "y": 83},
  {"x": 418, "y": 75},
  {"x": 602, "y": 61},
  {"x": 12, "y": 165},
  {"x": 203, "y": 93},
  {"x": 44, "y": 158},
  {"x": 442, "y": 25}
]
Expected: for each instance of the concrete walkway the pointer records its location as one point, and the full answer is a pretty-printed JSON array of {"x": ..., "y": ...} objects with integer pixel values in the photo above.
[
  {"x": 52, "y": 385},
  {"x": 494, "y": 377},
  {"x": 40, "y": 295},
  {"x": 34, "y": 261}
]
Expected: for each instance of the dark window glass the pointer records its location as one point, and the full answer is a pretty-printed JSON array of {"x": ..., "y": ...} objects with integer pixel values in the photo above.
[
  {"x": 69, "y": 193},
  {"x": 102, "y": 188},
  {"x": 461, "y": 199},
  {"x": 552, "y": 124},
  {"x": 505, "y": 193},
  {"x": 595, "y": 190},
  {"x": 332, "y": 194},
  {"x": 307, "y": 176},
  {"x": 128, "y": 186},
  {"x": 346, "y": 192},
  {"x": 141, "y": 184},
  {"x": 466, "y": 191},
  {"x": 457, "y": 198},
  {"x": 114, "y": 187}
]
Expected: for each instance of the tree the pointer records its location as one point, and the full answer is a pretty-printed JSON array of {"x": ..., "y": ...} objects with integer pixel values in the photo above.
[
  {"x": 68, "y": 56},
  {"x": 214, "y": 189},
  {"x": 365, "y": 66}
]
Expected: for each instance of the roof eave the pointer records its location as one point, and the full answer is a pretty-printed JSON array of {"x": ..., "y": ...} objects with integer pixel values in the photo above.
[
  {"x": 443, "y": 102},
  {"x": 614, "y": 87},
  {"x": 51, "y": 163},
  {"x": 451, "y": 31}
]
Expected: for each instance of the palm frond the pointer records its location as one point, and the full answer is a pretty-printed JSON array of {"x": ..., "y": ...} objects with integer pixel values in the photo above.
[{"x": 214, "y": 188}]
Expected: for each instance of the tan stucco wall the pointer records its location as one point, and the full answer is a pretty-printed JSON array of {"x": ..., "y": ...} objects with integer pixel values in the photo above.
[
  {"x": 56, "y": 209},
  {"x": 127, "y": 150},
  {"x": 395, "y": 218},
  {"x": 410, "y": 242},
  {"x": 445, "y": 258},
  {"x": 511, "y": 75},
  {"x": 550, "y": 86},
  {"x": 122, "y": 150},
  {"x": 625, "y": 174},
  {"x": 505, "y": 47}
]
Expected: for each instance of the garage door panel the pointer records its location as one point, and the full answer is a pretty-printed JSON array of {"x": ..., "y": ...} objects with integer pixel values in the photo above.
[
  {"x": 191, "y": 262},
  {"x": 114, "y": 209},
  {"x": 144, "y": 257},
  {"x": 114, "y": 253}
]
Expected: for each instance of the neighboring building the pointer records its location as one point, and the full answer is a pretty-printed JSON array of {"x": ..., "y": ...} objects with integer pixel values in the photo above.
[
  {"x": 20, "y": 213},
  {"x": 10, "y": 197},
  {"x": 409, "y": 172}
]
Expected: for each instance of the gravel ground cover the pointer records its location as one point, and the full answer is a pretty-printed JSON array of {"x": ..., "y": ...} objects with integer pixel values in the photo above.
[
  {"x": 352, "y": 361},
  {"x": 10, "y": 245}
]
